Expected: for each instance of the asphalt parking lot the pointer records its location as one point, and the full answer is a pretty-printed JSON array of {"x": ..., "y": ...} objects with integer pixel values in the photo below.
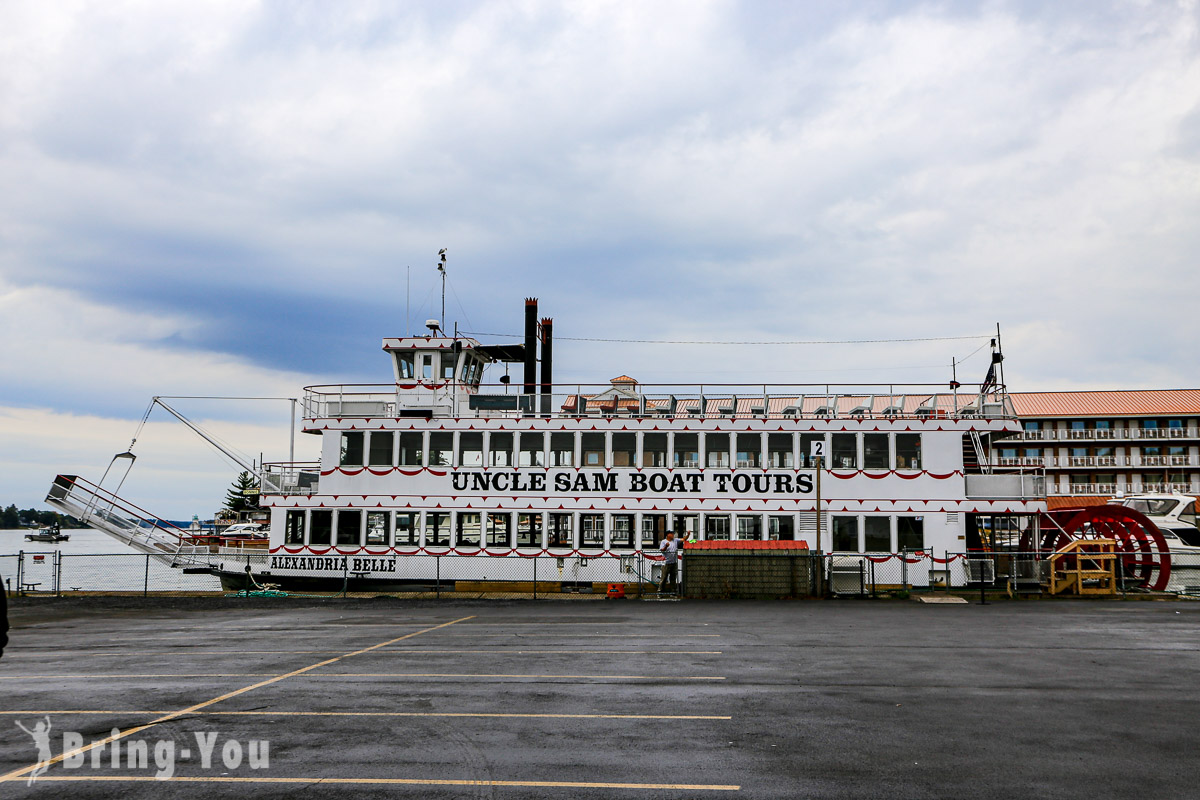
[{"x": 837, "y": 699}]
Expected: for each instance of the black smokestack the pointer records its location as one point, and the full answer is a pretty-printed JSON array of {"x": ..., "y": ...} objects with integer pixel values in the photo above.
[
  {"x": 530, "y": 345},
  {"x": 547, "y": 364}
]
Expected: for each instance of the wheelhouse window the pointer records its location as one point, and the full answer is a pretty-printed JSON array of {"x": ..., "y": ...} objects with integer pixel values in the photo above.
[
  {"x": 624, "y": 447},
  {"x": 407, "y": 531},
  {"x": 749, "y": 450},
  {"x": 877, "y": 535},
  {"x": 410, "y": 448},
  {"x": 377, "y": 527},
  {"x": 749, "y": 527},
  {"x": 875, "y": 451},
  {"x": 437, "y": 528},
  {"x": 441, "y": 449},
  {"x": 405, "y": 366},
  {"x": 622, "y": 531},
  {"x": 381, "y": 449},
  {"x": 532, "y": 450},
  {"x": 559, "y": 531},
  {"x": 779, "y": 450},
  {"x": 591, "y": 530},
  {"x": 320, "y": 526},
  {"x": 562, "y": 449},
  {"x": 447, "y": 372},
  {"x": 592, "y": 445},
  {"x": 500, "y": 446},
  {"x": 910, "y": 533},
  {"x": 349, "y": 526},
  {"x": 293, "y": 527},
  {"x": 908, "y": 451},
  {"x": 529, "y": 530},
  {"x": 716, "y": 526},
  {"x": 844, "y": 447},
  {"x": 716, "y": 449},
  {"x": 687, "y": 450},
  {"x": 352, "y": 449},
  {"x": 845, "y": 534},
  {"x": 654, "y": 450},
  {"x": 468, "y": 530},
  {"x": 499, "y": 530},
  {"x": 470, "y": 449}
]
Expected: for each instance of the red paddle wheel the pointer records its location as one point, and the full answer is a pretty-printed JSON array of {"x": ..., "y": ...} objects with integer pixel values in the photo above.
[{"x": 1145, "y": 558}]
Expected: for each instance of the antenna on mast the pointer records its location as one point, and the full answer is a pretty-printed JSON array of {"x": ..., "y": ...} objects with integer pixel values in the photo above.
[
  {"x": 442, "y": 269},
  {"x": 407, "y": 300}
]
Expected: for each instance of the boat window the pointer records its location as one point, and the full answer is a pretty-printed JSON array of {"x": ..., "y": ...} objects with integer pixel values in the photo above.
[
  {"x": 500, "y": 446},
  {"x": 877, "y": 535},
  {"x": 781, "y": 528},
  {"x": 622, "y": 531},
  {"x": 749, "y": 450},
  {"x": 908, "y": 451},
  {"x": 845, "y": 534},
  {"x": 910, "y": 533},
  {"x": 437, "y": 528},
  {"x": 529, "y": 530},
  {"x": 532, "y": 449},
  {"x": 559, "y": 531},
  {"x": 844, "y": 449},
  {"x": 1188, "y": 514},
  {"x": 687, "y": 450},
  {"x": 806, "y": 447},
  {"x": 716, "y": 526},
  {"x": 407, "y": 530},
  {"x": 293, "y": 527},
  {"x": 592, "y": 449},
  {"x": 654, "y": 450},
  {"x": 349, "y": 526},
  {"x": 654, "y": 528},
  {"x": 377, "y": 527},
  {"x": 687, "y": 526},
  {"x": 352, "y": 449},
  {"x": 441, "y": 449},
  {"x": 749, "y": 527},
  {"x": 716, "y": 449},
  {"x": 470, "y": 449},
  {"x": 320, "y": 526},
  {"x": 591, "y": 530},
  {"x": 562, "y": 449},
  {"x": 1152, "y": 508},
  {"x": 499, "y": 530},
  {"x": 624, "y": 447},
  {"x": 1189, "y": 536},
  {"x": 779, "y": 450},
  {"x": 425, "y": 362},
  {"x": 381, "y": 449},
  {"x": 448, "y": 366},
  {"x": 875, "y": 451},
  {"x": 405, "y": 367},
  {"x": 410, "y": 448},
  {"x": 468, "y": 530}
]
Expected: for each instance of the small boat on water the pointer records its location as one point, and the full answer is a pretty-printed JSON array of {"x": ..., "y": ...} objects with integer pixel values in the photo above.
[{"x": 50, "y": 533}]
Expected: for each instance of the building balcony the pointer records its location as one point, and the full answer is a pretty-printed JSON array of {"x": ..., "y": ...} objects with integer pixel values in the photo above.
[{"x": 1106, "y": 434}]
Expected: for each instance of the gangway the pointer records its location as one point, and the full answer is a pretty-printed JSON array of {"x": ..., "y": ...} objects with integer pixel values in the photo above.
[{"x": 128, "y": 524}]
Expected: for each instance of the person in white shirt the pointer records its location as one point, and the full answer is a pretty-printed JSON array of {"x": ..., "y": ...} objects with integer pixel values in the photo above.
[{"x": 670, "y": 550}]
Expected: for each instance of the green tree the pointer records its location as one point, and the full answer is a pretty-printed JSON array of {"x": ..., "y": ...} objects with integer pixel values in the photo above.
[
  {"x": 243, "y": 494},
  {"x": 10, "y": 517}
]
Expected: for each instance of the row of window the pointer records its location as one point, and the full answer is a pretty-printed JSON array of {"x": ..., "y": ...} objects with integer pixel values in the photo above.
[
  {"x": 1105, "y": 424},
  {"x": 1099, "y": 452},
  {"x": 622, "y": 449},
  {"x": 356, "y": 527}
]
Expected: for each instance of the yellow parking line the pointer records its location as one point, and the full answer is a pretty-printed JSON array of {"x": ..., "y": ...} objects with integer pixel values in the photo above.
[
  {"x": 694, "y": 787},
  {"x": 175, "y": 714},
  {"x": 375, "y": 714}
]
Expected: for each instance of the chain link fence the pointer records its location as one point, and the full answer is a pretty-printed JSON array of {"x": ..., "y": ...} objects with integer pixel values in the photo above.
[{"x": 579, "y": 576}]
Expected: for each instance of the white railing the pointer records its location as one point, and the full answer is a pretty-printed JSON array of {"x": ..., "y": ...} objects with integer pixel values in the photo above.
[
  {"x": 299, "y": 478},
  {"x": 1092, "y": 488},
  {"x": 1019, "y": 461},
  {"x": 1154, "y": 461}
]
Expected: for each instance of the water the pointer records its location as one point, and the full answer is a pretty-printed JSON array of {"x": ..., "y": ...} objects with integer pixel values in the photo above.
[{"x": 91, "y": 561}]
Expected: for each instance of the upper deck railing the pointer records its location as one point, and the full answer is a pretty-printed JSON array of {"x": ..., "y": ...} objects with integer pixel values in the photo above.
[{"x": 705, "y": 401}]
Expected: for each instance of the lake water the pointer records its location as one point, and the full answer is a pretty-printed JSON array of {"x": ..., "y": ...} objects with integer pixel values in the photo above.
[{"x": 91, "y": 561}]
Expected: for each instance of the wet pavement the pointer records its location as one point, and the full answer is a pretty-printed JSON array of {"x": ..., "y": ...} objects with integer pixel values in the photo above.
[{"x": 374, "y": 698}]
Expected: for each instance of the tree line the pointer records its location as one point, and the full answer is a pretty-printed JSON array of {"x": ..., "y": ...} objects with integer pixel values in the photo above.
[{"x": 12, "y": 517}]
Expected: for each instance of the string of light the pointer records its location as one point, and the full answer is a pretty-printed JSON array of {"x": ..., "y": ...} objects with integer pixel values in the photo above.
[{"x": 755, "y": 344}]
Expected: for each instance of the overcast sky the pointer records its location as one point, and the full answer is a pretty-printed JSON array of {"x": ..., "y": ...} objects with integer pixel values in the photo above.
[{"x": 226, "y": 198}]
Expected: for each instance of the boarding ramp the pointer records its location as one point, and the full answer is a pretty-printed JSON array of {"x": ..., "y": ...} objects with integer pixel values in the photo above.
[{"x": 100, "y": 509}]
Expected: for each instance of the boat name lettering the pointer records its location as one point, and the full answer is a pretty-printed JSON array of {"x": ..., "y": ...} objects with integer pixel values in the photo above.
[
  {"x": 334, "y": 563},
  {"x": 588, "y": 481}
]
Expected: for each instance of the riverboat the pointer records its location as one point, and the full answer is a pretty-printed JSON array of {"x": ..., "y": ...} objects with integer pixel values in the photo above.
[{"x": 438, "y": 463}]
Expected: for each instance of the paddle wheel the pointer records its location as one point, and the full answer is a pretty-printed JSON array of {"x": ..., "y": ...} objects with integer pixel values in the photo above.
[{"x": 1143, "y": 554}]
